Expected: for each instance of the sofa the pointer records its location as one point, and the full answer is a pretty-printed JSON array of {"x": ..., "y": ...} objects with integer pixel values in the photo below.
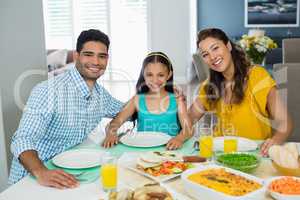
[{"x": 59, "y": 60}]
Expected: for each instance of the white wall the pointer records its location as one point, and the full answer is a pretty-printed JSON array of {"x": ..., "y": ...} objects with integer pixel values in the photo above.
[
  {"x": 22, "y": 50},
  {"x": 172, "y": 30},
  {"x": 3, "y": 155}
]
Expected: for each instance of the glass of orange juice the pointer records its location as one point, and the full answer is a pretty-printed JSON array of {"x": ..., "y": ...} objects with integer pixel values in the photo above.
[
  {"x": 230, "y": 139},
  {"x": 206, "y": 142},
  {"x": 109, "y": 173}
]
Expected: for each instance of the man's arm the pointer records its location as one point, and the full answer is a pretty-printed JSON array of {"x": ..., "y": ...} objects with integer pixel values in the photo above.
[
  {"x": 112, "y": 105},
  {"x": 33, "y": 125}
]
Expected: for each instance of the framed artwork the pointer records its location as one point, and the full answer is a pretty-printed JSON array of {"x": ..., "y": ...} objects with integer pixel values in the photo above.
[{"x": 272, "y": 13}]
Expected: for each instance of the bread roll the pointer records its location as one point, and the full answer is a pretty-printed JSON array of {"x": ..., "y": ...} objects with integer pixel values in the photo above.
[
  {"x": 274, "y": 152},
  {"x": 292, "y": 148},
  {"x": 151, "y": 192},
  {"x": 284, "y": 156},
  {"x": 287, "y": 159}
]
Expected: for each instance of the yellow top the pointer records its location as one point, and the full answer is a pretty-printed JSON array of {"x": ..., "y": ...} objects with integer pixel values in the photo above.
[{"x": 250, "y": 118}]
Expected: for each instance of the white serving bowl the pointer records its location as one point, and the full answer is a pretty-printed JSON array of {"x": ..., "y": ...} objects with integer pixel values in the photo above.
[
  {"x": 277, "y": 195},
  {"x": 198, "y": 191}
]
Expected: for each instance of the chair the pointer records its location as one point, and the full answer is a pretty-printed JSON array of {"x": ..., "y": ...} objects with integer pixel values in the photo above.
[
  {"x": 273, "y": 56},
  {"x": 3, "y": 154},
  {"x": 201, "y": 68},
  {"x": 287, "y": 77},
  {"x": 290, "y": 50}
]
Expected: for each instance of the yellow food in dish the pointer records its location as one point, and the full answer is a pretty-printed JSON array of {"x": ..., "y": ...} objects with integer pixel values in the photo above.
[{"x": 225, "y": 182}]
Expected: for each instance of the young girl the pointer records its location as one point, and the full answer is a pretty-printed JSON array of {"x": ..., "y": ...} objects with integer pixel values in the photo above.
[{"x": 155, "y": 106}]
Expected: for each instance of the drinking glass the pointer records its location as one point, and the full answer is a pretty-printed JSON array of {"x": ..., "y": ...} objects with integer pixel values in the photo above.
[
  {"x": 230, "y": 139},
  {"x": 206, "y": 141},
  {"x": 109, "y": 173}
]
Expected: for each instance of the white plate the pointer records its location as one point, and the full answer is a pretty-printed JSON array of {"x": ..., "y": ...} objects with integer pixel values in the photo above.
[
  {"x": 145, "y": 139},
  {"x": 244, "y": 144},
  {"x": 78, "y": 159},
  {"x": 129, "y": 161},
  {"x": 277, "y": 195}
]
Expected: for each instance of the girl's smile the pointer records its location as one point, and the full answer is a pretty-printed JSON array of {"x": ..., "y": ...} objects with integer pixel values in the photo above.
[{"x": 156, "y": 76}]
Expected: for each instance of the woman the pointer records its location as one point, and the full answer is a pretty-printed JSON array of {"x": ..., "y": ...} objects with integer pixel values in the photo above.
[{"x": 241, "y": 95}]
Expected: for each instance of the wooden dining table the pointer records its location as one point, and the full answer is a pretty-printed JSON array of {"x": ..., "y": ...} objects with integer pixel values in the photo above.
[{"x": 28, "y": 188}]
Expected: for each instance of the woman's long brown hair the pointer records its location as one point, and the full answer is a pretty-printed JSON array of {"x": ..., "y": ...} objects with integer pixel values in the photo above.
[{"x": 213, "y": 88}]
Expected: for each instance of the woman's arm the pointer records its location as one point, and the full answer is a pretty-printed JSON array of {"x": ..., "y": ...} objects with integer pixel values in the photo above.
[
  {"x": 186, "y": 126},
  {"x": 111, "y": 129},
  {"x": 278, "y": 112}
]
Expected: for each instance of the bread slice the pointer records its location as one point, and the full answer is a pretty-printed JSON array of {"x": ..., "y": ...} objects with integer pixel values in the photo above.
[
  {"x": 144, "y": 164},
  {"x": 161, "y": 156}
]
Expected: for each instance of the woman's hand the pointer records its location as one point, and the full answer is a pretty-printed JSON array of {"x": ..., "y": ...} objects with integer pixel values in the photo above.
[
  {"x": 110, "y": 140},
  {"x": 279, "y": 113},
  {"x": 266, "y": 146},
  {"x": 179, "y": 94},
  {"x": 175, "y": 143}
]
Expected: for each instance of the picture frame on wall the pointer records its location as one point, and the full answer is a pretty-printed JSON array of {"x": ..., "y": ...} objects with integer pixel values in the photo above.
[{"x": 272, "y": 13}]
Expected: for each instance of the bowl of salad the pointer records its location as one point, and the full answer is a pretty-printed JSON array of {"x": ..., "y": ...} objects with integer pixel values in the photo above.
[
  {"x": 245, "y": 162},
  {"x": 284, "y": 187}
]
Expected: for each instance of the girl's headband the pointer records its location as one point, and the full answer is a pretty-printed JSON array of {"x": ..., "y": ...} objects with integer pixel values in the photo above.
[{"x": 159, "y": 54}]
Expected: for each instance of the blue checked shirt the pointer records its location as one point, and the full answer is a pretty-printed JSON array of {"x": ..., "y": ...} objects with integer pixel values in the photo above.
[{"x": 59, "y": 114}]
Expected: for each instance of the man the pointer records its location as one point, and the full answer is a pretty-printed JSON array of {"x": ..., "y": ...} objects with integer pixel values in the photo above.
[{"x": 61, "y": 111}]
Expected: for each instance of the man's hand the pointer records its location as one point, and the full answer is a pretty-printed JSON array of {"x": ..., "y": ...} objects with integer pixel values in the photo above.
[
  {"x": 110, "y": 140},
  {"x": 56, "y": 178},
  {"x": 175, "y": 143}
]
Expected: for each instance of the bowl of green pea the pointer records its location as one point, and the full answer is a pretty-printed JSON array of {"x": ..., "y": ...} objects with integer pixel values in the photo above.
[{"x": 245, "y": 162}]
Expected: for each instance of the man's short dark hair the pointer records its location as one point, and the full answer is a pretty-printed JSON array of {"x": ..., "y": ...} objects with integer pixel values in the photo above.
[{"x": 91, "y": 35}]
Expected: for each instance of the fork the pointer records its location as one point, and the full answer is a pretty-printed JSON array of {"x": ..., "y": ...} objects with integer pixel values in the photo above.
[
  {"x": 80, "y": 176},
  {"x": 128, "y": 131},
  {"x": 195, "y": 147}
]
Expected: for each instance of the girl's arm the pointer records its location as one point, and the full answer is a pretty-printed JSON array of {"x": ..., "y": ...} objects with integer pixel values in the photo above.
[
  {"x": 278, "y": 112},
  {"x": 196, "y": 111},
  {"x": 186, "y": 126},
  {"x": 111, "y": 129}
]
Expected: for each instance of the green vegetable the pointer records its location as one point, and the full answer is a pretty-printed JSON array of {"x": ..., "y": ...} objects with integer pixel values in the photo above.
[
  {"x": 241, "y": 161},
  {"x": 190, "y": 165},
  {"x": 176, "y": 170}
]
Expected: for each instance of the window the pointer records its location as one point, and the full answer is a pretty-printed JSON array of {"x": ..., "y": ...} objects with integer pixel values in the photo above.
[{"x": 125, "y": 21}]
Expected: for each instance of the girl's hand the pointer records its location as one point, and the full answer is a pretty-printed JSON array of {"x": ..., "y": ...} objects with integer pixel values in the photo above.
[
  {"x": 110, "y": 140},
  {"x": 175, "y": 143}
]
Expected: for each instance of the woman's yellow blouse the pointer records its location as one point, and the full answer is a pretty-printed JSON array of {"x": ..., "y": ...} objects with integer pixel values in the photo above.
[{"x": 250, "y": 118}]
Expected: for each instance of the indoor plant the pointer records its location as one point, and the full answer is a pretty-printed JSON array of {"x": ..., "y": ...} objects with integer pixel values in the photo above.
[{"x": 256, "y": 47}]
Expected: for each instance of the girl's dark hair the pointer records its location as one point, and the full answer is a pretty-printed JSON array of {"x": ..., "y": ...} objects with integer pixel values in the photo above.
[
  {"x": 241, "y": 65},
  {"x": 155, "y": 57}
]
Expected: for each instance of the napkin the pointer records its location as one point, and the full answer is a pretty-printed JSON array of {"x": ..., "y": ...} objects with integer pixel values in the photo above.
[{"x": 87, "y": 175}]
